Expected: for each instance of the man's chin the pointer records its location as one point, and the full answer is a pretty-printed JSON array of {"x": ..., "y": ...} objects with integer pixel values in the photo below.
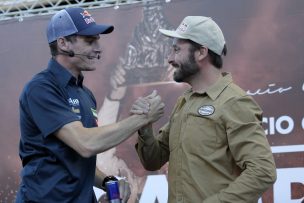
[{"x": 177, "y": 78}]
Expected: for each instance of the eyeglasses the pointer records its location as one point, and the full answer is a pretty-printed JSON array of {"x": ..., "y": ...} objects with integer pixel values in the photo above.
[{"x": 175, "y": 50}]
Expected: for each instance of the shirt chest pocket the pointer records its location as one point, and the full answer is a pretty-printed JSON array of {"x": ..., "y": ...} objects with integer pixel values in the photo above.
[{"x": 203, "y": 135}]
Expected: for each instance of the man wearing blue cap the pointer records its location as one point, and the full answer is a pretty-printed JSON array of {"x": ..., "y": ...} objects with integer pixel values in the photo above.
[
  {"x": 58, "y": 120},
  {"x": 214, "y": 141}
]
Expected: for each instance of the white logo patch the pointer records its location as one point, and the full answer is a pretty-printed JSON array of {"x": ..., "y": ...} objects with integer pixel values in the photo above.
[
  {"x": 206, "y": 110},
  {"x": 73, "y": 102},
  {"x": 182, "y": 27}
]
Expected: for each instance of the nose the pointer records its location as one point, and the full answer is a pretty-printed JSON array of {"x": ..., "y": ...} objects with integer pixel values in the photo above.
[
  {"x": 96, "y": 46},
  {"x": 170, "y": 57},
  {"x": 97, "y": 49}
]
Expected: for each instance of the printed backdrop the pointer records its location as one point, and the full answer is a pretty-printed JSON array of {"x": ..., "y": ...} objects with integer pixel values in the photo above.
[{"x": 265, "y": 42}]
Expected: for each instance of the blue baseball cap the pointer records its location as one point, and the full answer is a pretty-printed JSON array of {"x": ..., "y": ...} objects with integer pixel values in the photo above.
[{"x": 74, "y": 21}]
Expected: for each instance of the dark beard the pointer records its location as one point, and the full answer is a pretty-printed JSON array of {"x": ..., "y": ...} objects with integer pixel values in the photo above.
[{"x": 185, "y": 70}]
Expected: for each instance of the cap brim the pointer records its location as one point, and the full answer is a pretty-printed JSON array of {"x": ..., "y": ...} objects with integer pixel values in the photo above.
[
  {"x": 96, "y": 30},
  {"x": 171, "y": 33}
]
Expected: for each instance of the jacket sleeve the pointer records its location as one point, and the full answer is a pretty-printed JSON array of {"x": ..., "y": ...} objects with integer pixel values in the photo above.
[
  {"x": 251, "y": 151},
  {"x": 153, "y": 151}
]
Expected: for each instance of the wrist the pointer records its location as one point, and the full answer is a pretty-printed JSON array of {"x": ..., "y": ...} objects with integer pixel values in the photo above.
[
  {"x": 142, "y": 119},
  {"x": 145, "y": 129}
]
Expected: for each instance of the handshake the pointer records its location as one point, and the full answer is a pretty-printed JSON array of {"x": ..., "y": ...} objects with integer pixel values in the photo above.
[{"x": 150, "y": 106}]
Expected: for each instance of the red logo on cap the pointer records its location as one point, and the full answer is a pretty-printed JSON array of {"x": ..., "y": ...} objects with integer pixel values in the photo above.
[
  {"x": 87, "y": 17},
  {"x": 85, "y": 14}
]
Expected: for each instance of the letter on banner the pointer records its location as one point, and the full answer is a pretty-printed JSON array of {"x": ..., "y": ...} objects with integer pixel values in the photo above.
[
  {"x": 156, "y": 187},
  {"x": 282, "y": 187}
]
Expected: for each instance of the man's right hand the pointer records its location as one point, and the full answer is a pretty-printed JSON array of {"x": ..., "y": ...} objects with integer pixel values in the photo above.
[
  {"x": 156, "y": 107},
  {"x": 151, "y": 105}
]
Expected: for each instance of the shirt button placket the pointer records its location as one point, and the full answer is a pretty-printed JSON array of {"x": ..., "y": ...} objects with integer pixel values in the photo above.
[
  {"x": 179, "y": 198},
  {"x": 179, "y": 179}
]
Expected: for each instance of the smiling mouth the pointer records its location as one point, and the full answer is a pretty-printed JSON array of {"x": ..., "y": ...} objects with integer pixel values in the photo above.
[
  {"x": 94, "y": 57},
  {"x": 174, "y": 66}
]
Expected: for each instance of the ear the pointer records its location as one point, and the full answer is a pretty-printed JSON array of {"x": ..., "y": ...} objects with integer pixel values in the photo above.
[
  {"x": 63, "y": 44},
  {"x": 202, "y": 53}
]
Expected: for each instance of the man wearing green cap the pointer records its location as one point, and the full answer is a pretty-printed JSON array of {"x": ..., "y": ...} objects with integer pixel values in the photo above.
[{"x": 214, "y": 141}]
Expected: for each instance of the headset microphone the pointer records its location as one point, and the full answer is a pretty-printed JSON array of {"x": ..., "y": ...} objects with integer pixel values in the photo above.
[{"x": 71, "y": 54}]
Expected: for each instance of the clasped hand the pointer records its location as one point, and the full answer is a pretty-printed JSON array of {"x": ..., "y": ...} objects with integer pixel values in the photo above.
[{"x": 151, "y": 106}]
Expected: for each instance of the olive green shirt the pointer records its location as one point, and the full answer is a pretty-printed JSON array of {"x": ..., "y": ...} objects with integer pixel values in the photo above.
[{"x": 216, "y": 147}]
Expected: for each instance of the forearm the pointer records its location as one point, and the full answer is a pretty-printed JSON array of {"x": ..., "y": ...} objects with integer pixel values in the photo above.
[
  {"x": 146, "y": 133},
  {"x": 91, "y": 141},
  {"x": 250, "y": 150},
  {"x": 149, "y": 149},
  {"x": 258, "y": 176},
  {"x": 109, "y": 136}
]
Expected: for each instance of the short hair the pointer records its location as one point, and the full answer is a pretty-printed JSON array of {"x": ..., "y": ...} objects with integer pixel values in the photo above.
[
  {"x": 53, "y": 45},
  {"x": 215, "y": 59}
]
